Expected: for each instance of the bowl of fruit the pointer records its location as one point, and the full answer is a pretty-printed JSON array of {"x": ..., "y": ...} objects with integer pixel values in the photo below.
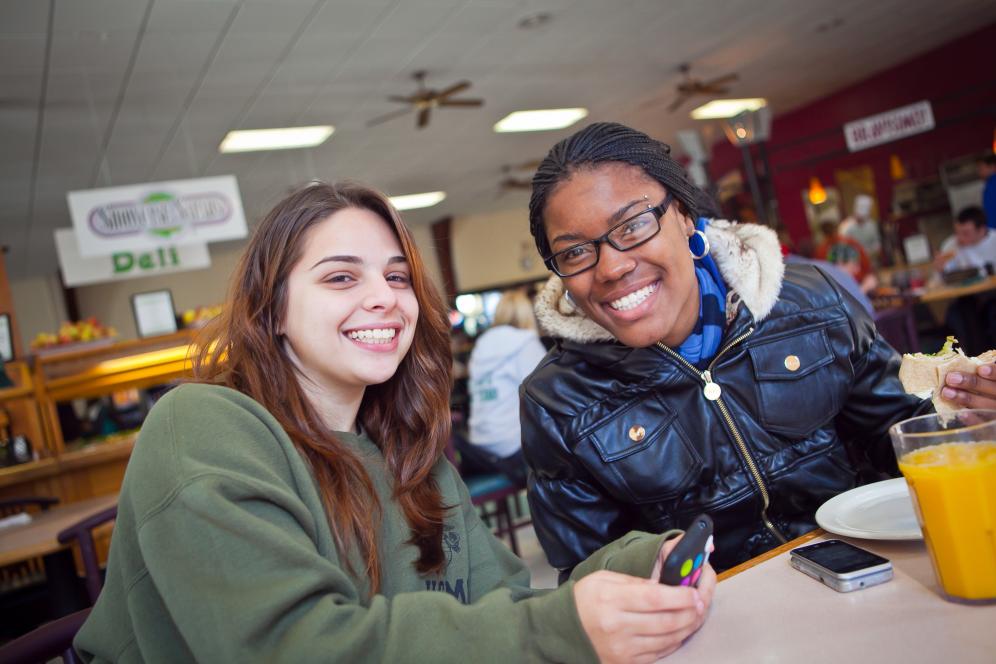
[
  {"x": 199, "y": 316},
  {"x": 72, "y": 336}
]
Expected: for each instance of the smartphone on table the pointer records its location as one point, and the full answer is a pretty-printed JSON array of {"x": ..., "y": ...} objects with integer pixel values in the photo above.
[{"x": 840, "y": 565}]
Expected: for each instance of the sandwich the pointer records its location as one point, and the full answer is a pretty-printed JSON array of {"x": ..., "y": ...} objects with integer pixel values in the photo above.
[{"x": 922, "y": 373}]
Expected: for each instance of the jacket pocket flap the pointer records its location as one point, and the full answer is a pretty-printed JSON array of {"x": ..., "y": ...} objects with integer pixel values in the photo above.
[
  {"x": 792, "y": 357},
  {"x": 631, "y": 429}
]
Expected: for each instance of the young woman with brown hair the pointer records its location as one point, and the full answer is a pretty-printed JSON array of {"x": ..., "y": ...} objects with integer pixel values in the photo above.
[{"x": 295, "y": 504}]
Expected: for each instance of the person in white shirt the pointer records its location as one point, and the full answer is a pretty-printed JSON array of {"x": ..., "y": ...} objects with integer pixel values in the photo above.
[
  {"x": 862, "y": 228},
  {"x": 972, "y": 318},
  {"x": 502, "y": 357},
  {"x": 972, "y": 245}
]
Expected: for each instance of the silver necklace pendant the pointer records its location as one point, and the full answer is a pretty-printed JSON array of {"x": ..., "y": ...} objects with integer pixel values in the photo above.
[{"x": 711, "y": 390}]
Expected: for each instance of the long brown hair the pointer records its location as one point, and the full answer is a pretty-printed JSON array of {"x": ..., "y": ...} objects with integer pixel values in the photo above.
[{"x": 407, "y": 416}]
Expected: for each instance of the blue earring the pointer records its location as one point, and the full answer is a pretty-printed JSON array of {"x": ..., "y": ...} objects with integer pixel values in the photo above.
[{"x": 705, "y": 245}]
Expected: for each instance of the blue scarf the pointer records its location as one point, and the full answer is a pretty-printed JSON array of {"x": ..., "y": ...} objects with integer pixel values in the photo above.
[{"x": 703, "y": 343}]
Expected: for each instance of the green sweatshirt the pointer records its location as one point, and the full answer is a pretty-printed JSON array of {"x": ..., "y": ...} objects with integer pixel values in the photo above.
[{"x": 222, "y": 553}]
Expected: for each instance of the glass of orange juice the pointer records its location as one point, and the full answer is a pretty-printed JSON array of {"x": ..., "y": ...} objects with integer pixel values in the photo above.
[{"x": 950, "y": 465}]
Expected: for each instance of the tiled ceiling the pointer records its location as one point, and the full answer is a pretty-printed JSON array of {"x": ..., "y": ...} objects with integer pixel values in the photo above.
[{"x": 97, "y": 93}]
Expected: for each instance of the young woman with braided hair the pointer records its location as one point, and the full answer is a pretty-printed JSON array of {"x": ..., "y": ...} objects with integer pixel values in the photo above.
[
  {"x": 694, "y": 371},
  {"x": 295, "y": 504}
]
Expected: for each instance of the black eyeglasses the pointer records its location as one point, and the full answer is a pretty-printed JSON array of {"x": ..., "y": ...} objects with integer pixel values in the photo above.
[{"x": 628, "y": 234}]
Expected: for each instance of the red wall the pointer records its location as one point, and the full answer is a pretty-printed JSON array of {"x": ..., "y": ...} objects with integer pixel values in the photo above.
[{"x": 959, "y": 80}]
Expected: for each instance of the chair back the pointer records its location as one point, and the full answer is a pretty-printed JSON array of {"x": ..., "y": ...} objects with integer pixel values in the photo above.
[
  {"x": 51, "y": 640},
  {"x": 82, "y": 532},
  {"x": 898, "y": 326}
]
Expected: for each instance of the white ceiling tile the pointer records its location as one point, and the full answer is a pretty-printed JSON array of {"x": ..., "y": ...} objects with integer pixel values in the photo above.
[
  {"x": 186, "y": 17},
  {"x": 171, "y": 53},
  {"x": 99, "y": 15},
  {"x": 22, "y": 53},
  {"x": 101, "y": 52},
  {"x": 23, "y": 17}
]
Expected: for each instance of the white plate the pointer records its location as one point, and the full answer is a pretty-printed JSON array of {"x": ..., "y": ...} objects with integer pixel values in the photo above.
[{"x": 882, "y": 510}]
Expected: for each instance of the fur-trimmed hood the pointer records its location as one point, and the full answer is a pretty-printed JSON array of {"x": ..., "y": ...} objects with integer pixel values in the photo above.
[{"x": 748, "y": 256}]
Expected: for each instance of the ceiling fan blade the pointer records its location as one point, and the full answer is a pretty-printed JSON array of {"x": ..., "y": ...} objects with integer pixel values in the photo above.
[
  {"x": 423, "y": 118},
  {"x": 713, "y": 90},
  {"x": 401, "y": 100},
  {"x": 452, "y": 90},
  {"x": 678, "y": 101},
  {"x": 388, "y": 116},
  {"x": 729, "y": 78},
  {"x": 461, "y": 102}
]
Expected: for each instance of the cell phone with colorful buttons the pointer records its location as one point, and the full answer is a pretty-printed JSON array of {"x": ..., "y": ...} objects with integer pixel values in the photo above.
[{"x": 684, "y": 564}]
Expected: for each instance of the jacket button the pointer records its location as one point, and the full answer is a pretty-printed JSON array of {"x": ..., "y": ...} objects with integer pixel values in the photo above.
[
  {"x": 636, "y": 433},
  {"x": 792, "y": 362}
]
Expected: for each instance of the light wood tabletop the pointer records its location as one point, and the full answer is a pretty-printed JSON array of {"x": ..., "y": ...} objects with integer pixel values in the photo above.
[
  {"x": 766, "y": 611},
  {"x": 38, "y": 538},
  {"x": 941, "y": 293}
]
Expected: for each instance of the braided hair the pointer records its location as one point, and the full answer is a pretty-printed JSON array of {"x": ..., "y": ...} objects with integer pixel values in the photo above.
[{"x": 611, "y": 142}]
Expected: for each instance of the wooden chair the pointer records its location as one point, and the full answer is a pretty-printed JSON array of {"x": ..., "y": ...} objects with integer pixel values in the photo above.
[
  {"x": 51, "y": 640},
  {"x": 82, "y": 532}
]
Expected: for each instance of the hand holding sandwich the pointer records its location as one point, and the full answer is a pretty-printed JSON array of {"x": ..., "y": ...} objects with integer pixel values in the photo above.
[
  {"x": 954, "y": 379},
  {"x": 971, "y": 390}
]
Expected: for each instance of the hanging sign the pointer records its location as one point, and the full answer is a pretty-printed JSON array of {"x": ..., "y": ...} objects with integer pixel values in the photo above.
[
  {"x": 144, "y": 217},
  {"x": 889, "y": 126},
  {"x": 79, "y": 270}
]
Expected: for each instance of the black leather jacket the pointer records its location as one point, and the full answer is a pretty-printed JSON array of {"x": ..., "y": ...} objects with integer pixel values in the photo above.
[{"x": 619, "y": 438}]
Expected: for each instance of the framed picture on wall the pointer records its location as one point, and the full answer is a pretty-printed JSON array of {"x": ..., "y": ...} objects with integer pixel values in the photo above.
[
  {"x": 6, "y": 342},
  {"x": 154, "y": 314}
]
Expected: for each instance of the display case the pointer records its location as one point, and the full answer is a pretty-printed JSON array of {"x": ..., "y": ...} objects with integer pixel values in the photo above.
[{"x": 89, "y": 468}]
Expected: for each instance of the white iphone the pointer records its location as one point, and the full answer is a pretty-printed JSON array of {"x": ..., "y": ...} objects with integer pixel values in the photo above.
[{"x": 842, "y": 566}]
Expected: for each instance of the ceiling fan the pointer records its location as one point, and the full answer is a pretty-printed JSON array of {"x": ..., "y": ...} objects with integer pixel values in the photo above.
[
  {"x": 425, "y": 99},
  {"x": 691, "y": 86},
  {"x": 518, "y": 176}
]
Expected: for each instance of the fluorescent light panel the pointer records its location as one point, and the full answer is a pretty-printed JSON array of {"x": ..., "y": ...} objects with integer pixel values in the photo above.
[
  {"x": 285, "y": 138},
  {"x": 416, "y": 201},
  {"x": 540, "y": 120},
  {"x": 727, "y": 108}
]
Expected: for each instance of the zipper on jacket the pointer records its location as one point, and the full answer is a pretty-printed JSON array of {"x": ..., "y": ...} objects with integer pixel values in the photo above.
[{"x": 713, "y": 392}]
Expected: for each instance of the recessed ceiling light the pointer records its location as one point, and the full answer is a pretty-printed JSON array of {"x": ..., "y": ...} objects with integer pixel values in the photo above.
[
  {"x": 541, "y": 120},
  {"x": 284, "y": 138},
  {"x": 727, "y": 108},
  {"x": 416, "y": 201}
]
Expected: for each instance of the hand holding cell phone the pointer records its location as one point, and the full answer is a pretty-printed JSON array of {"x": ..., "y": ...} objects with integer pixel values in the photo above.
[{"x": 686, "y": 562}]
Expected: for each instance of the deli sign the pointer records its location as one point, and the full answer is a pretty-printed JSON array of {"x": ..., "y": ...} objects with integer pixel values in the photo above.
[
  {"x": 889, "y": 126},
  {"x": 78, "y": 270},
  {"x": 148, "y": 216}
]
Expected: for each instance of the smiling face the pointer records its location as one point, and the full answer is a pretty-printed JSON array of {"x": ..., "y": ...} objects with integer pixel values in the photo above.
[
  {"x": 351, "y": 311},
  {"x": 643, "y": 295}
]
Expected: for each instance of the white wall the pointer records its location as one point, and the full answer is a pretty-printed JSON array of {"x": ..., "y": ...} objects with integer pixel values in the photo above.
[
  {"x": 39, "y": 304},
  {"x": 494, "y": 249}
]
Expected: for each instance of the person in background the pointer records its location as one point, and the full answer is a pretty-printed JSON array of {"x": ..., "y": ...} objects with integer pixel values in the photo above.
[
  {"x": 987, "y": 171},
  {"x": 503, "y": 356},
  {"x": 972, "y": 245},
  {"x": 845, "y": 279},
  {"x": 847, "y": 254},
  {"x": 971, "y": 318},
  {"x": 861, "y": 228},
  {"x": 296, "y": 505},
  {"x": 694, "y": 371}
]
